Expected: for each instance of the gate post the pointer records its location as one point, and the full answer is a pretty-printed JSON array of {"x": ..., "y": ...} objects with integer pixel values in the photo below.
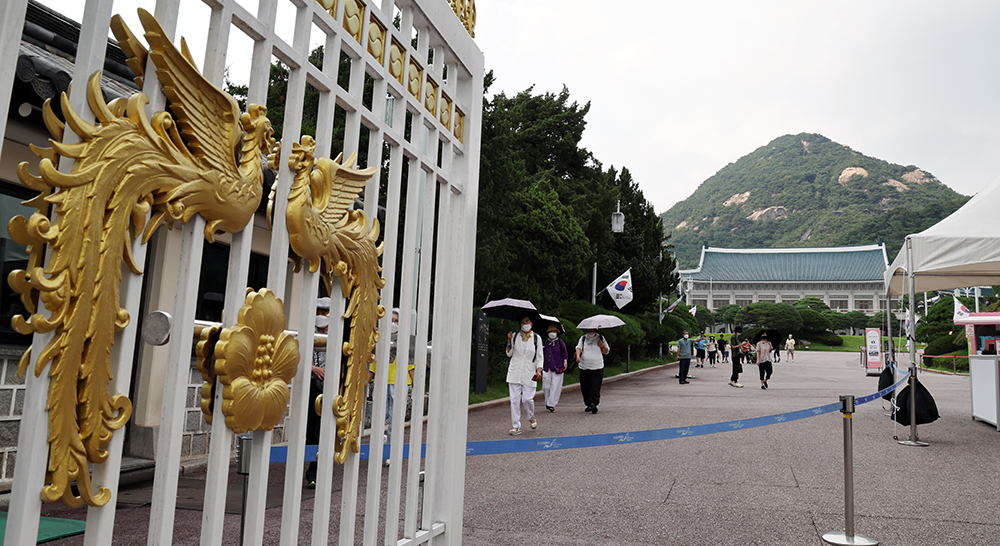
[{"x": 848, "y": 537}]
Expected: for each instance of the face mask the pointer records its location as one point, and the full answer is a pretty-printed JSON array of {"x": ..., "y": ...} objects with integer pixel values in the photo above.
[
  {"x": 394, "y": 327},
  {"x": 592, "y": 336},
  {"x": 685, "y": 336},
  {"x": 322, "y": 321},
  {"x": 525, "y": 327},
  {"x": 553, "y": 335}
]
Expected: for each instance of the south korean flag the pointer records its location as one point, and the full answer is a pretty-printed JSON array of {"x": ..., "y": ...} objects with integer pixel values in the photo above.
[{"x": 621, "y": 289}]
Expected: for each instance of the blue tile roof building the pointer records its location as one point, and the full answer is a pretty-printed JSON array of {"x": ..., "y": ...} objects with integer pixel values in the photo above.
[{"x": 845, "y": 278}]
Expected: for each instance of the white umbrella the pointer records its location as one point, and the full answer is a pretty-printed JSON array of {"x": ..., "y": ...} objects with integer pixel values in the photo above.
[
  {"x": 510, "y": 308},
  {"x": 546, "y": 320},
  {"x": 600, "y": 321}
]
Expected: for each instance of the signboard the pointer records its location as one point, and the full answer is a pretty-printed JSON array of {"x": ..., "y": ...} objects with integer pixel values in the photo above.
[
  {"x": 873, "y": 348},
  {"x": 482, "y": 352}
]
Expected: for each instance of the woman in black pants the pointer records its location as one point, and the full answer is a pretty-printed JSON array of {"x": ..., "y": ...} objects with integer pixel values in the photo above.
[{"x": 734, "y": 380}]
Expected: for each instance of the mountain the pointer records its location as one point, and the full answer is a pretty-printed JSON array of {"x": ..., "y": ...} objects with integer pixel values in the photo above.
[{"x": 807, "y": 190}]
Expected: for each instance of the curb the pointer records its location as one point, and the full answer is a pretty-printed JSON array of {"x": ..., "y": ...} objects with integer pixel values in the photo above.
[{"x": 569, "y": 388}]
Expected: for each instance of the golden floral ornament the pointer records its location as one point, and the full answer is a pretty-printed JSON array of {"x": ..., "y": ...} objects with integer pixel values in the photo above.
[{"x": 256, "y": 361}]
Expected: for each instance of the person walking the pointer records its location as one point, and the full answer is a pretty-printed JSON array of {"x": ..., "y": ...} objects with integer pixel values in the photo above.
[
  {"x": 590, "y": 351},
  {"x": 318, "y": 370},
  {"x": 700, "y": 343},
  {"x": 790, "y": 348},
  {"x": 723, "y": 349},
  {"x": 524, "y": 370},
  {"x": 684, "y": 352},
  {"x": 764, "y": 350},
  {"x": 734, "y": 379},
  {"x": 556, "y": 357},
  {"x": 390, "y": 396},
  {"x": 777, "y": 350},
  {"x": 713, "y": 351}
]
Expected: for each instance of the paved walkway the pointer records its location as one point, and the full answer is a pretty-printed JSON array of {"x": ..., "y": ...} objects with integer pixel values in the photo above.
[{"x": 779, "y": 484}]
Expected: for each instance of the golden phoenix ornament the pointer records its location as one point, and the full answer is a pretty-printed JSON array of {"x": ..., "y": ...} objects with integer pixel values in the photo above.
[{"x": 324, "y": 230}]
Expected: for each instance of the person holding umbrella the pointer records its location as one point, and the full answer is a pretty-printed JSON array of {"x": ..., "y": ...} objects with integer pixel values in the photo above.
[
  {"x": 526, "y": 353},
  {"x": 590, "y": 351},
  {"x": 556, "y": 358}
]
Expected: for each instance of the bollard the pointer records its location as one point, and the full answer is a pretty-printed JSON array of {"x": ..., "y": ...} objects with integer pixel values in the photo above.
[
  {"x": 848, "y": 537},
  {"x": 243, "y": 442},
  {"x": 914, "y": 440}
]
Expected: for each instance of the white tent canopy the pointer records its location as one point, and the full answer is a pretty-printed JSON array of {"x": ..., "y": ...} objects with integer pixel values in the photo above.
[{"x": 961, "y": 250}]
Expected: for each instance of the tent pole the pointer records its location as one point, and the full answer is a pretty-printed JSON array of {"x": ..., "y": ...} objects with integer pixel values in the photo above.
[{"x": 911, "y": 336}]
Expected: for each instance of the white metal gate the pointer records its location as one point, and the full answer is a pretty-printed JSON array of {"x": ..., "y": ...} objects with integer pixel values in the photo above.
[{"x": 438, "y": 84}]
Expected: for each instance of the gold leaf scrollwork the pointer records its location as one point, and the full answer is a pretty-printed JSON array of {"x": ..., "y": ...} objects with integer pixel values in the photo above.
[
  {"x": 256, "y": 361},
  {"x": 324, "y": 231},
  {"x": 128, "y": 166},
  {"x": 205, "y": 350},
  {"x": 466, "y": 12}
]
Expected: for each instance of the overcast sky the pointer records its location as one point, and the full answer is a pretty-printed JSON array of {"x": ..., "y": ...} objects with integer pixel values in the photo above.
[{"x": 677, "y": 90}]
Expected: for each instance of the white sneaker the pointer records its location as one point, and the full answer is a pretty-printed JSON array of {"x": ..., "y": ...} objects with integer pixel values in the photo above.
[{"x": 737, "y": 385}]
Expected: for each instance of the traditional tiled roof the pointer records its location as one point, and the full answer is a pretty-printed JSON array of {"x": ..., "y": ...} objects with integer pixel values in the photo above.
[{"x": 830, "y": 264}]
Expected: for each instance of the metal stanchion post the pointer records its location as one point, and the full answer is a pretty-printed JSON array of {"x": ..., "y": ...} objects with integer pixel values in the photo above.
[
  {"x": 914, "y": 439},
  {"x": 243, "y": 468},
  {"x": 848, "y": 537}
]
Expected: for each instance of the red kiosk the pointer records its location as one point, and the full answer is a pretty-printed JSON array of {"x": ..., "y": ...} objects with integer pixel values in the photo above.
[{"x": 984, "y": 367}]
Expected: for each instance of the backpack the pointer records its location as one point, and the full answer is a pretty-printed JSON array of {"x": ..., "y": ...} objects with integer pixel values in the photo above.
[
  {"x": 927, "y": 411},
  {"x": 885, "y": 381}
]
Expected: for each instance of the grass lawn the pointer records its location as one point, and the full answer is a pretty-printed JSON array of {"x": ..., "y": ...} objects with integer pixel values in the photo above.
[
  {"x": 851, "y": 344},
  {"x": 498, "y": 389}
]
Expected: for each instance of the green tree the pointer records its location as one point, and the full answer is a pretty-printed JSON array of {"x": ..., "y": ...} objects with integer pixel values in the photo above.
[
  {"x": 939, "y": 321},
  {"x": 838, "y": 320},
  {"x": 533, "y": 140},
  {"x": 813, "y": 321},
  {"x": 857, "y": 320},
  {"x": 815, "y": 304},
  {"x": 773, "y": 316},
  {"x": 727, "y": 315}
]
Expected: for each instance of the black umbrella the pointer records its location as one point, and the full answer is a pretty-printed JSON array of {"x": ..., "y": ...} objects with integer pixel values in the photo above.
[
  {"x": 772, "y": 335},
  {"x": 510, "y": 308}
]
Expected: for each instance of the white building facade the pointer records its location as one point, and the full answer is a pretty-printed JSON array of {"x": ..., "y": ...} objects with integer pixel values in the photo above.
[{"x": 845, "y": 278}]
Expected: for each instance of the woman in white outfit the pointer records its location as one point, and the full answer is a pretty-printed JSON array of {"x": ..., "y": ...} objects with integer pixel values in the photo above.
[{"x": 525, "y": 349}]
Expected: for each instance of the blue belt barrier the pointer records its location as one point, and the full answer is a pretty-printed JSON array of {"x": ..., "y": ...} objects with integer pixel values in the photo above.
[{"x": 279, "y": 454}]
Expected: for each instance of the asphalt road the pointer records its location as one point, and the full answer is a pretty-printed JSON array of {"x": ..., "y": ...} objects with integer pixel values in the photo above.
[{"x": 778, "y": 484}]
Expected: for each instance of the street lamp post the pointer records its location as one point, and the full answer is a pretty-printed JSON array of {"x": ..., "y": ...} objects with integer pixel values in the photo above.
[{"x": 617, "y": 226}]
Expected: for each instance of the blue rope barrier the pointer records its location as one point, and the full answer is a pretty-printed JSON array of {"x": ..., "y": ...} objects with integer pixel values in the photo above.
[{"x": 279, "y": 454}]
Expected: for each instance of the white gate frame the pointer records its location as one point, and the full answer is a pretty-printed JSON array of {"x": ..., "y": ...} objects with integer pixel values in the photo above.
[{"x": 445, "y": 191}]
